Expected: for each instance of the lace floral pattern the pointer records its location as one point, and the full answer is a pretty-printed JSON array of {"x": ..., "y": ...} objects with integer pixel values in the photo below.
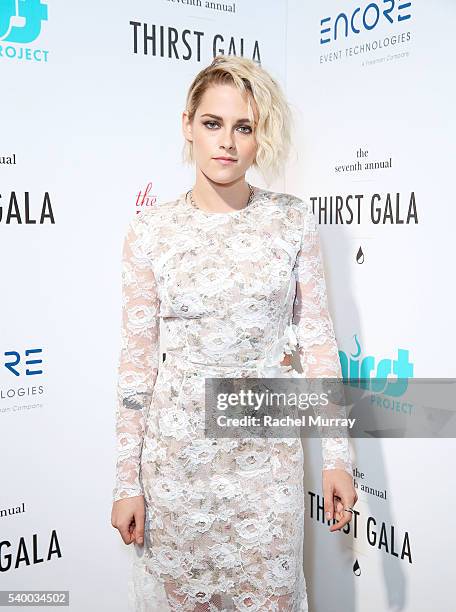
[{"x": 235, "y": 292}]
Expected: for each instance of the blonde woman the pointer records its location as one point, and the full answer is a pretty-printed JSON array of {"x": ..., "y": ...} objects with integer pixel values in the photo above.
[{"x": 235, "y": 274}]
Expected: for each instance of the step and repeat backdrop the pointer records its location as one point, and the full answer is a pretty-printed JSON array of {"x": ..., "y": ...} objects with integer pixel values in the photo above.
[{"x": 91, "y": 105}]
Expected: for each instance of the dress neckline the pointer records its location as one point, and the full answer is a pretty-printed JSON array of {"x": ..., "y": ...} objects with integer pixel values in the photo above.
[{"x": 257, "y": 191}]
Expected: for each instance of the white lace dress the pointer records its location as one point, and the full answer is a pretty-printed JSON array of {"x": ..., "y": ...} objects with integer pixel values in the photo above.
[{"x": 235, "y": 291}]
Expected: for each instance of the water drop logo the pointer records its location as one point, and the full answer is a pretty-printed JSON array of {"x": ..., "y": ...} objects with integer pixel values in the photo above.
[
  {"x": 360, "y": 256},
  {"x": 373, "y": 375},
  {"x": 21, "y": 24},
  {"x": 356, "y": 568}
]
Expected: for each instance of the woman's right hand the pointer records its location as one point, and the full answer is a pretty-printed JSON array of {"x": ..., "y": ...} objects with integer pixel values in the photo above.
[{"x": 128, "y": 517}]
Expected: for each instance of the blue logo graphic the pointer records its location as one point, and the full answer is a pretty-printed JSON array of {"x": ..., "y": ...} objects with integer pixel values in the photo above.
[
  {"x": 20, "y": 20},
  {"x": 355, "y": 367},
  {"x": 11, "y": 365},
  {"x": 387, "y": 11}
]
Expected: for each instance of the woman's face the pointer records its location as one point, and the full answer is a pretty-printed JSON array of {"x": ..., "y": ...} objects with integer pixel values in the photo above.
[{"x": 220, "y": 128}]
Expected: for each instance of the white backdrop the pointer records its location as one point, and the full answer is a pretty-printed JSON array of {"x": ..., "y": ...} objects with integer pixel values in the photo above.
[
  {"x": 394, "y": 104},
  {"x": 87, "y": 125}
]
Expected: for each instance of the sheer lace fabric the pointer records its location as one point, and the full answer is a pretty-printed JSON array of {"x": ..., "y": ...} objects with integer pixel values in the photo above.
[{"x": 235, "y": 293}]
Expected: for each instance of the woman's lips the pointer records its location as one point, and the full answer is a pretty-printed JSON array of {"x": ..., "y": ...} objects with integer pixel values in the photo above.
[{"x": 225, "y": 161}]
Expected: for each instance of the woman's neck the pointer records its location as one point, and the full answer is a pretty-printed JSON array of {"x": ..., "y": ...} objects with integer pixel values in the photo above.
[{"x": 216, "y": 197}]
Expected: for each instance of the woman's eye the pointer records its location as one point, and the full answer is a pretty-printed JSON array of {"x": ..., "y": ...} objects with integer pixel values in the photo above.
[{"x": 208, "y": 124}]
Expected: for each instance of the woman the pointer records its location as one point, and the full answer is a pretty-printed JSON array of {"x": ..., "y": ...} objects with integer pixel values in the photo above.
[{"x": 236, "y": 276}]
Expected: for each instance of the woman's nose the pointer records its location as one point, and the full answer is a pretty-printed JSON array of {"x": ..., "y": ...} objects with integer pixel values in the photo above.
[{"x": 227, "y": 140}]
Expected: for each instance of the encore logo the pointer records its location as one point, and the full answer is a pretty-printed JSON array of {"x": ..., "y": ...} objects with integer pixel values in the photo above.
[
  {"x": 362, "y": 19},
  {"x": 20, "y": 24}
]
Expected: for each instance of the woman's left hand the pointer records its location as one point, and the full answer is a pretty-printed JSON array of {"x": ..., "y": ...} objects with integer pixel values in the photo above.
[{"x": 339, "y": 493}]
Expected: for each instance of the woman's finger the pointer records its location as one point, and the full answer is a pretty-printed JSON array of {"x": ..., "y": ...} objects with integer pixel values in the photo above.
[
  {"x": 345, "y": 515},
  {"x": 338, "y": 509},
  {"x": 125, "y": 532},
  {"x": 343, "y": 520},
  {"x": 328, "y": 500}
]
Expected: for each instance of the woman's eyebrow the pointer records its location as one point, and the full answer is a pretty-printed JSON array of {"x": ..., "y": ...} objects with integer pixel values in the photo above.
[{"x": 245, "y": 120}]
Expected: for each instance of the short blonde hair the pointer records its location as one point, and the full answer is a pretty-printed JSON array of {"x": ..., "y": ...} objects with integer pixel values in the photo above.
[{"x": 273, "y": 129}]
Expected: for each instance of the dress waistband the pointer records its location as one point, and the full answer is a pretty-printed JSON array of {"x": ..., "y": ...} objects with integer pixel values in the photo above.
[{"x": 181, "y": 361}]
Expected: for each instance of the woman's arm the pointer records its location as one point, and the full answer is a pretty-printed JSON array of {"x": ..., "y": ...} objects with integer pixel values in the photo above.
[
  {"x": 139, "y": 358},
  {"x": 319, "y": 358},
  {"x": 314, "y": 330}
]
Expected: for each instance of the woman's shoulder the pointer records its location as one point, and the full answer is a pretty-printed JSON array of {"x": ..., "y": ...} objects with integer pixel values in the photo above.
[
  {"x": 289, "y": 203},
  {"x": 160, "y": 209},
  {"x": 149, "y": 220}
]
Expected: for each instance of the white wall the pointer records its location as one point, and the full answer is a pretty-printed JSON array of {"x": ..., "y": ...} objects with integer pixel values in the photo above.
[{"x": 394, "y": 103}]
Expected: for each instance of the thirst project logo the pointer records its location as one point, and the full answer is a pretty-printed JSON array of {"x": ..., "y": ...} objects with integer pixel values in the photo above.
[
  {"x": 20, "y": 25},
  {"x": 372, "y": 373}
]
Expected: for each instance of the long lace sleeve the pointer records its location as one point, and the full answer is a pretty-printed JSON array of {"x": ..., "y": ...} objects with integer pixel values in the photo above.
[
  {"x": 313, "y": 327},
  {"x": 139, "y": 359}
]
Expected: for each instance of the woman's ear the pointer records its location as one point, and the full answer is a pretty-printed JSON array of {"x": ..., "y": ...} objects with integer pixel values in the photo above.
[{"x": 187, "y": 127}]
